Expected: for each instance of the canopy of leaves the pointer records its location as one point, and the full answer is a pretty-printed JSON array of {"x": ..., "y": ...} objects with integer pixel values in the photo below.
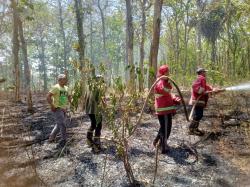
[{"x": 212, "y": 23}]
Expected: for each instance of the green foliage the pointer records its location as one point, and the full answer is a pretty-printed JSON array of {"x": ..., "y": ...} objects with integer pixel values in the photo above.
[
  {"x": 212, "y": 23},
  {"x": 118, "y": 85},
  {"x": 214, "y": 75},
  {"x": 76, "y": 95},
  {"x": 151, "y": 72}
]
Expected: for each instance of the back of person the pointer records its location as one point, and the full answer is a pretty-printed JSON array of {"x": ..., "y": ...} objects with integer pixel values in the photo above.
[
  {"x": 93, "y": 98},
  {"x": 164, "y": 103},
  {"x": 164, "y": 107}
]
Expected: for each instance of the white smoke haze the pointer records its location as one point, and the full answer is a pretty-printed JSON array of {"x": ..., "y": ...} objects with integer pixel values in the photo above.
[{"x": 245, "y": 86}]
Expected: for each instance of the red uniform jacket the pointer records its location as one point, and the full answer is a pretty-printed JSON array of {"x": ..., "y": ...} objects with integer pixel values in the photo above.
[
  {"x": 164, "y": 101},
  {"x": 199, "y": 88}
]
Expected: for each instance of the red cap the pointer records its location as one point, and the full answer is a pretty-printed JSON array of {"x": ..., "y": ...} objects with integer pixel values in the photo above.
[{"x": 163, "y": 70}]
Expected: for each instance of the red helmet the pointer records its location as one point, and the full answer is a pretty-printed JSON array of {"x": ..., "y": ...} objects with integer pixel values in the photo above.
[{"x": 163, "y": 70}]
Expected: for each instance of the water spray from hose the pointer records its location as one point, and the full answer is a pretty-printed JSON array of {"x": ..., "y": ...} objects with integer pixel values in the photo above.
[{"x": 240, "y": 87}]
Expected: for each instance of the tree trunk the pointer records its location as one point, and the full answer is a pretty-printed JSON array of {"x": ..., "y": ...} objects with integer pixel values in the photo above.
[
  {"x": 62, "y": 34},
  {"x": 199, "y": 6},
  {"x": 129, "y": 46},
  {"x": 103, "y": 28},
  {"x": 142, "y": 51},
  {"x": 81, "y": 38},
  {"x": 44, "y": 67},
  {"x": 91, "y": 39},
  {"x": 155, "y": 42},
  {"x": 186, "y": 36},
  {"x": 15, "y": 51},
  {"x": 106, "y": 56},
  {"x": 213, "y": 54},
  {"x": 177, "y": 49},
  {"x": 26, "y": 67}
]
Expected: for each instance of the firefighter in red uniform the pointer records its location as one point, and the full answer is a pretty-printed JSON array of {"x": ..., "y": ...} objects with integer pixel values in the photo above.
[
  {"x": 165, "y": 108},
  {"x": 199, "y": 96}
]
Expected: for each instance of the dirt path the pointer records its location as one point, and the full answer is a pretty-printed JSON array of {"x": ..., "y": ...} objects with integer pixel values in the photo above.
[{"x": 220, "y": 158}]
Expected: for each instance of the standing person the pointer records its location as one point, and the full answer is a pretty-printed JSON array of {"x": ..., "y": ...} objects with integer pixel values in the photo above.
[
  {"x": 165, "y": 108},
  {"x": 94, "y": 98},
  {"x": 58, "y": 98},
  {"x": 199, "y": 95}
]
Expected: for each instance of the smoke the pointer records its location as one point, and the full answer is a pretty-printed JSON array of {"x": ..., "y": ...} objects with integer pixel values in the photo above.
[{"x": 245, "y": 86}]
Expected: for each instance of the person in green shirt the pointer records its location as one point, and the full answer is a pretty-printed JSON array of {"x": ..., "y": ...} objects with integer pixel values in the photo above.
[
  {"x": 58, "y": 98},
  {"x": 94, "y": 100}
]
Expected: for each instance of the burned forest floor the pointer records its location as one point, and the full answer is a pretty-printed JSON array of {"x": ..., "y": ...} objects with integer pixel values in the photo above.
[{"x": 220, "y": 158}]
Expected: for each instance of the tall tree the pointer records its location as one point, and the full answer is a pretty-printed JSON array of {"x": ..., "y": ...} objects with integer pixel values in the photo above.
[
  {"x": 61, "y": 24},
  {"x": 186, "y": 34},
  {"x": 129, "y": 45},
  {"x": 211, "y": 26},
  {"x": 155, "y": 42},
  {"x": 15, "y": 50},
  {"x": 144, "y": 4},
  {"x": 106, "y": 56},
  {"x": 42, "y": 56},
  {"x": 200, "y": 7},
  {"x": 26, "y": 66},
  {"x": 81, "y": 38},
  {"x": 103, "y": 26}
]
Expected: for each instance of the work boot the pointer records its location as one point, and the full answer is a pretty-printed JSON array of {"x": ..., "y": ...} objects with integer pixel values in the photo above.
[
  {"x": 196, "y": 131},
  {"x": 193, "y": 128},
  {"x": 90, "y": 141},
  {"x": 97, "y": 145}
]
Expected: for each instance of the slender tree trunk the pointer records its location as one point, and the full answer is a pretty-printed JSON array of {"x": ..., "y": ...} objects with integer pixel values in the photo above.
[
  {"x": 91, "y": 39},
  {"x": 26, "y": 67},
  {"x": 213, "y": 54},
  {"x": 15, "y": 51},
  {"x": 106, "y": 56},
  {"x": 199, "y": 6},
  {"x": 171, "y": 47},
  {"x": 44, "y": 67},
  {"x": 62, "y": 34},
  {"x": 177, "y": 40},
  {"x": 229, "y": 45},
  {"x": 155, "y": 42},
  {"x": 103, "y": 28},
  {"x": 129, "y": 45},
  {"x": 186, "y": 36},
  {"x": 81, "y": 38},
  {"x": 142, "y": 51}
]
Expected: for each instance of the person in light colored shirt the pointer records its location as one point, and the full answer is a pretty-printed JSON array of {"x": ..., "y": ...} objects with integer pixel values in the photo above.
[{"x": 58, "y": 98}]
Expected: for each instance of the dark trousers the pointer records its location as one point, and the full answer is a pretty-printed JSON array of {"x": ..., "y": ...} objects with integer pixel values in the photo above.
[
  {"x": 165, "y": 127},
  {"x": 96, "y": 124},
  {"x": 198, "y": 113},
  {"x": 197, "y": 116}
]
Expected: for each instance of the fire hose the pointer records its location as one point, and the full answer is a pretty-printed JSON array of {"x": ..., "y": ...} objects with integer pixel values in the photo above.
[
  {"x": 150, "y": 90},
  {"x": 188, "y": 117},
  {"x": 195, "y": 103}
]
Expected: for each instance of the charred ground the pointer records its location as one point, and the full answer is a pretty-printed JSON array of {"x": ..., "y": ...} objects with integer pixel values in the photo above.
[{"x": 220, "y": 158}]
